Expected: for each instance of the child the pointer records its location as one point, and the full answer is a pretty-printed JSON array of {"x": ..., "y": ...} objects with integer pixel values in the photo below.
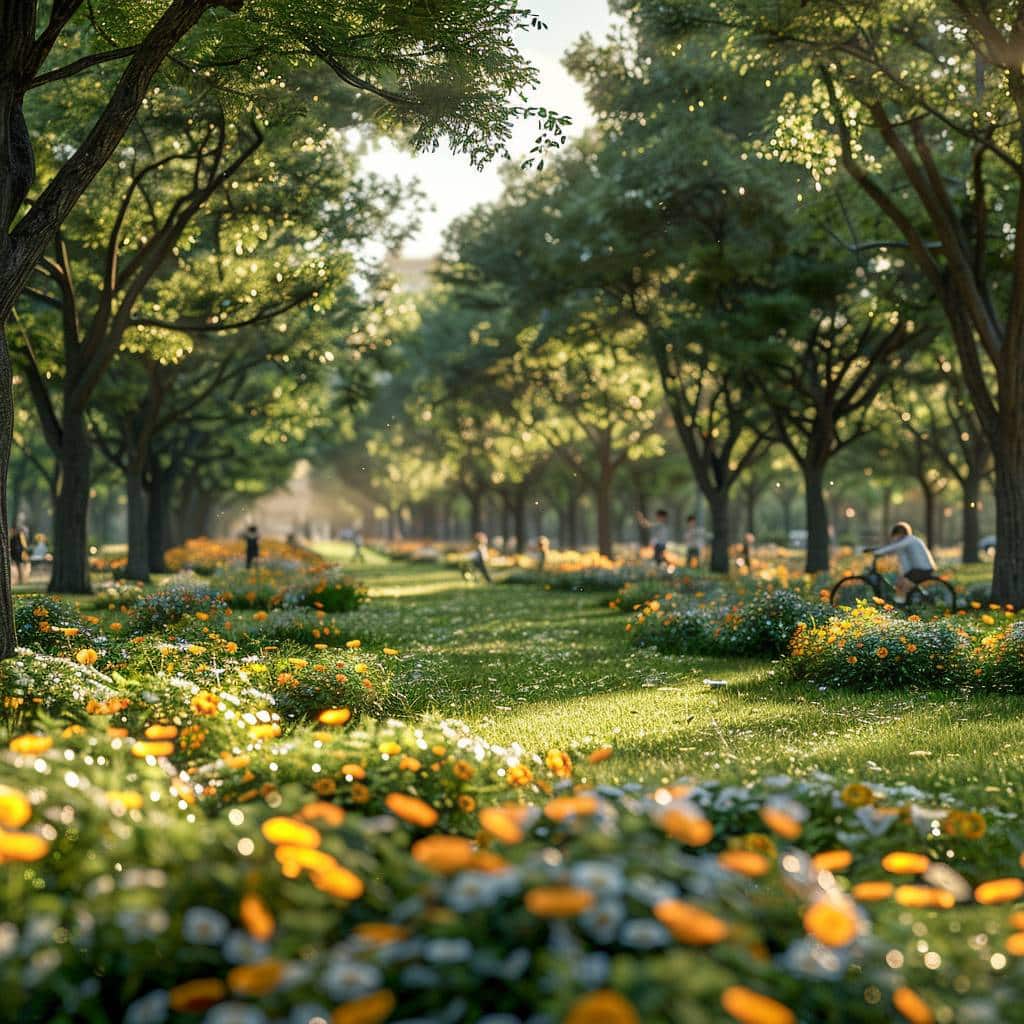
[
  {"x": 252, "y": 544},
  {"x": 659, "y": 533},
  {"x": 480, "y": 556},
  {"x": 693, "y": 538}
]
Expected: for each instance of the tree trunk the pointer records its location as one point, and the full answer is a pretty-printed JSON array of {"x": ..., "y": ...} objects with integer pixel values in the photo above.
[
  {"x": 156, "y": 519},
  {"x": 603, "y": 499},
  {"x": 970, "y": 525},
  {"x": 719, "y": 502},
  {"x": 7, "y": 638},
  {"x": 476, "y": 517},
  {"x": 818, "y": 559},
  {"x": 138, "y": 532},
  {"x": 1008, "y": 573},
  {"x": 572, "y": 521},
  {"x": 929, "y": 514},
  {"x": 519, "y": 518},
  {"x": 71, "y": 514}
]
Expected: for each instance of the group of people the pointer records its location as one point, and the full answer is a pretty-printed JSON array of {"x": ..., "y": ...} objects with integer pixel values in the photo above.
[
  {"x": 693, "y": 537},
  {"x": 24, "y": 557}
]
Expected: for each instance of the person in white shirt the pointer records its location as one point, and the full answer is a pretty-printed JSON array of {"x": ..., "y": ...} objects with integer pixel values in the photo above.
[
  {"x": 693, "y": 538},
  {"x": 658, "y": 532},
  {"x": 916, "y": 562}
]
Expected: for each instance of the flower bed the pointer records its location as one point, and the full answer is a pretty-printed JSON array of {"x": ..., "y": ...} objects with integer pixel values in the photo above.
[
  {"x": 687, "y": 903},
  {"x": 205, "y": 555}
]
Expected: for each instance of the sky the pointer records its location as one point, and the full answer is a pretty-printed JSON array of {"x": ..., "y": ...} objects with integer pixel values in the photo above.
[{"x": 451, "y": 185}]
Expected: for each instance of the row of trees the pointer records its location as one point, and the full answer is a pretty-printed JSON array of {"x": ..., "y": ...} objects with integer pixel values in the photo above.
[
  {"x": 723, "y": 233},
  {"x": 182, "y": 223}
]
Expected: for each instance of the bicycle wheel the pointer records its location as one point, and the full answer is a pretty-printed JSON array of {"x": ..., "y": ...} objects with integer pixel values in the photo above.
[
  {"x": 934, "y": 595},
  {"x": 848, "y": 592}
]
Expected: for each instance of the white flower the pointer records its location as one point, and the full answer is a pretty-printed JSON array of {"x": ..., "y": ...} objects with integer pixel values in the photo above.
[
  {"x": 447, "y": 951},
  {"x": 348, "y": 979},
  {"x": 643, "y": 933},
  {"x": 873, "y": 821},
  {"x": 240, "y": 948},
  {"x": 204, "y": 926},
  {"x": 602, "y": 921},
  {"x": 601, "y": 878},
  {"x": 8, "y": 938},
  {"x": 303, "y": 1013},
  {"x": 150, "y": 1009},
  {"x": 235, "y": 1013}
]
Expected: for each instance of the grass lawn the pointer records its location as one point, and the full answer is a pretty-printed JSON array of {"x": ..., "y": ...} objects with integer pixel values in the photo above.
[{"x": 549, "y": 669}]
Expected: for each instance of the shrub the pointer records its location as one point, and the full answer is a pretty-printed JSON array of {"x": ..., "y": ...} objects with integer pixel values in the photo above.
[
  {"x": 330, "y": 591},
  {"x": 762, "y": 624},
  {"x": 49, "y": 624},
  {"x": 998, "y": 659},
  {"x": 869, "y": 647},
  {"x": 193, "y": 608}
]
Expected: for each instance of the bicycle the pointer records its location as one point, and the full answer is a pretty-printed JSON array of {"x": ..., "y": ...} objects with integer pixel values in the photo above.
[{"x": 930, "y": 594}]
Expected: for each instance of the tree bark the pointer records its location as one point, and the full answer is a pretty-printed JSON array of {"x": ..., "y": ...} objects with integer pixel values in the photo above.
[
  {"x": 71, "y": 513},
  {"x": 519, "y": 518},
  {"x": 7, "y": 636},
  {"x": 969, "y": 522},
  {"x": 138, "y": 532},
  {"x": 156, "y": 518},
  {"x": 572, "y": 521},
  {"x": 818, "y": 553},
  {"x": 720, "y": 509},
  {"x": 1008, "y": 574},
  {"x": 603, "y": 500}
]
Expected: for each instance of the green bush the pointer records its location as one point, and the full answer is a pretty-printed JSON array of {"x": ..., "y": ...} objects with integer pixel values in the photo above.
[{"x": 49, "y": 624}]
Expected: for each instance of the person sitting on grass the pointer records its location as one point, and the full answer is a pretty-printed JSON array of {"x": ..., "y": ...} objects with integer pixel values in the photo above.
[{"x": 916, "y": 562}]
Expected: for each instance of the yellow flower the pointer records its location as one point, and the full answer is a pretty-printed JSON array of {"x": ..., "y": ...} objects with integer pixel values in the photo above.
[
  {"x": 856, "y": 794},
  {"x": 411, "y": 809},
  {"x": 964, "y": 824},
  {"x": 31, "y": 743},
  {"x": 555, "y": 901},
  {"x": 15, "y": 809},
  {"x": 86, "y": 656},
  {"x": 444, "y": 854},
  {"x": 334, "y": 716},
  {"x": 689, "y": 924},
  {"x": 22, "y": 846},
  {"x": 559, "y": 763},
  {"x": 520, "y": 775},
  {"x": 390, "y": 651},
  {"x": 832, "y": 923},
  {"x": 281, "y": 831},
  {"x": 353, "y": 645},
  {"x": 256, "y": 917}
]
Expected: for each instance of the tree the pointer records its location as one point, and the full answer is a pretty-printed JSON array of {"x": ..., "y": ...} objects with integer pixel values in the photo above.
[
  {"x": 446, "y": 71},
  {"x": 920, "y": 105}
]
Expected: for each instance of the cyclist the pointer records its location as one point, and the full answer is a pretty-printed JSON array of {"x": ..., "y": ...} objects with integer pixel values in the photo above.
[{"x": 916, "y": 562}]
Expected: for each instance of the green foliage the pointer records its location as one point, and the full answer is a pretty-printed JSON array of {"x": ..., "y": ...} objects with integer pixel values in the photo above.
[{"x": 49, "y": 624}]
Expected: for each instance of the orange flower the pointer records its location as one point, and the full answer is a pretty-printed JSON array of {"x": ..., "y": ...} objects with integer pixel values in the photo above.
[
  {"x": 463, "y": 770},
  {"x": 601, "y": 754},
  {"x": 380, "y": 933},
  {"x": 832, "y": 860},
  {"x": 605, "y": 1006},
  {"x": 372, "y": 1009},
  {"x": 902, "y": 863},
  {"x": 340, "y": 882},
  {"x": 256, "y": 917},
  {"x": 353, "y": 645},
  {"x": 442, "y": 853},
  {"x": 15, "y": 809},
  {"x": 687, "y": 828},
  {"x": 411, "y": 809},
  {"x": 924, "y": 896},
  {"x": 1000, "y": 890},
  {"x": 466, "y": 803},
  {"x": 161, "y": 732},
  {"x": 745, "y": 862},
  {"x": 872, "y": 892},
  {"x": 325, "y": 787},
  {"x": 22, "y": 846},
  {"x": 357, "y": 771},
  {"x": 31, "y": 743},
  {"x": 287, "y": 831},
  {"x": 152, "y": 748},
  {"x": 520, "y": 775},
  {"x": 557, "y": 900},
  {"x": 689, "y": 924},
  {"x": 410, "y": 764},
  {"x": 197, "y": 995},
  {"x": 331, "y": 814},
  {"x": 559, "y": 763},
  {"x": 834, "y": 924},
  {"x": 1015, "y": 944},
  {"x": 205, "y": 703},
  {"x": 334, "y": 716},
  {"x": 563, "y": 807},
  {"x": 504, "y": 823},
  {"x": 750, "y": 1007},
  {"x": 359, "y": 793},
  {"x": 265, "y": 731},
  {"x": 912, "y": 1007},
  {"x": 86, "y": 656},
  {"x": 257, "y": 979},
  {"x": 781, "y": 823}
]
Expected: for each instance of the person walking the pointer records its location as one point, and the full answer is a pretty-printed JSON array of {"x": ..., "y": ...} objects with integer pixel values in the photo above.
[
  {"x": 659, "y": 533},
  {"x": 19, "y": 552},
  {"x": 480, "y": 556},
  {"x": 543, "y": 550},
  {"x": 252, "y": 544},
  {"x": 357, "y": 546}
]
